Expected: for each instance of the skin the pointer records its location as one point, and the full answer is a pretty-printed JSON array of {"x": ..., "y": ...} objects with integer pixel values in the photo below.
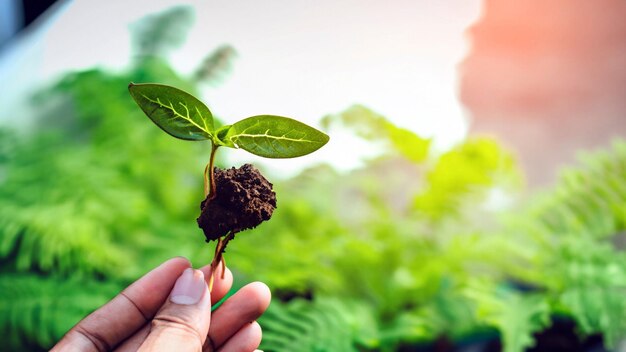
[{"x": 143, "y": 318}]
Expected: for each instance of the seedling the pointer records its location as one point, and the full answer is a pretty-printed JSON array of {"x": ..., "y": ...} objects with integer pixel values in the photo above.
[{"x": 234, "y": 199}]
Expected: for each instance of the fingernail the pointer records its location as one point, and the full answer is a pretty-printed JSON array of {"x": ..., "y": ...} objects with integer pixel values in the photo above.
[{"x": 189, "y": 287}]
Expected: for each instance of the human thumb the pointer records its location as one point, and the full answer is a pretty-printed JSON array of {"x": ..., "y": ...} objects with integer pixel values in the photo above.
[{"x": 182, "y": 324}]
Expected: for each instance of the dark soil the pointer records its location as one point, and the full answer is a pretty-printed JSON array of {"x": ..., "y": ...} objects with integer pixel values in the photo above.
[{"x": 243, "y": 199}]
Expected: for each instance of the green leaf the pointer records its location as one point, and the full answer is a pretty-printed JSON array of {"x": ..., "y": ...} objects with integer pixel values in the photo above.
[
  {"x": 176, "y": 112},
  {"x": 275, "y": 137}
]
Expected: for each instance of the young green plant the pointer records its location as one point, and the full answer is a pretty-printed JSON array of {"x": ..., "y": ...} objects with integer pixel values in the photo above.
[{"x": 183, "y": 116}]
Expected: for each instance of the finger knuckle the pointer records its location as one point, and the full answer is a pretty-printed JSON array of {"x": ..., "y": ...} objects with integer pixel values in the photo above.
[
  {"x": 177, "y": 325},
  {"x": 97, "y": 341}
]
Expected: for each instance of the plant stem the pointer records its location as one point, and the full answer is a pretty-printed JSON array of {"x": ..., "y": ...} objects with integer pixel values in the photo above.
[
  {"x": 220, "y": 247},
  {"x": 209, "y": 194},
  {"x": 209, "y": 177},
  {"x": 206, "y": 180},
  {"x": 211, "y": 171}
]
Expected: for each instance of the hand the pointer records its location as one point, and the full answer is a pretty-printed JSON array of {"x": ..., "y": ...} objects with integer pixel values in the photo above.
[{"x": 169, "y": 309}]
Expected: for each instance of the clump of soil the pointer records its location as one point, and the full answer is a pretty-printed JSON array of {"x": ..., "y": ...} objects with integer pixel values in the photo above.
[{"x": 243, "y": 199}]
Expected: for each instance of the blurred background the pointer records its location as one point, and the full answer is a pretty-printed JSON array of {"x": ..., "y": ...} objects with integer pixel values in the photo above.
[{"x": 472, "y": 196}]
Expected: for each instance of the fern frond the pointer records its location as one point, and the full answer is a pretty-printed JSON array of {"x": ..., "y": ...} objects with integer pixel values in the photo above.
[
  {"x": 38, "y": 311},
  {"x": 516, "y": 315},
  {"x": 326, "y": 324},
  {"x": 598, "y": 309},
  {"x": 589, "y": 199},
  {"x": 577, "y": 230},
  {"x": 57, "y": 238}
]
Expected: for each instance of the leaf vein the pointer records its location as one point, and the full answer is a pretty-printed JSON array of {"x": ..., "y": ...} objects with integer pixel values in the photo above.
[
  {"x": 175, "y": 112},
  {"x": 265, "y": 135},
  {"x": 203, "y": 119}
]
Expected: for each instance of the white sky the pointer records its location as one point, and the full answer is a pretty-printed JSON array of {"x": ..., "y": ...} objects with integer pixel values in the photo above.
[{"x": 297, "y": 58}]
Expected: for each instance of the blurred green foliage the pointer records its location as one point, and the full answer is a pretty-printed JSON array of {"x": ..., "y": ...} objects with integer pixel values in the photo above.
[
  {"x": 415, "y": 246},
  {"x": 575, "y": 236}
]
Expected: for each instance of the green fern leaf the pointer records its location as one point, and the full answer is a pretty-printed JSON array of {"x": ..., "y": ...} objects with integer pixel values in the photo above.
[
  {"x": 578, "y": 228},
  {"x": 326, "y": 324},
  {"x": 38, "y": 311}
]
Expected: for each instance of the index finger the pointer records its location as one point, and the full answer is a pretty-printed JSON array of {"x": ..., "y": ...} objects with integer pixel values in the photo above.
[{"x": 105, "y": 328}]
